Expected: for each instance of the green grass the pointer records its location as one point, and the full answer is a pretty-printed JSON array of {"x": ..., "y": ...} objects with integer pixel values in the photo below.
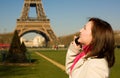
[
  {"x": 57, "y": 55},
  {"x": 44, "y": 69},
  {"x": 41, "y": 69},
  {"x": 115, "y": 70}
]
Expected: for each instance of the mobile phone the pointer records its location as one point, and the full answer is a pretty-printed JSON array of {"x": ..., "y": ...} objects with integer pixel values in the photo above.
[{"x": 77, "y": 43}]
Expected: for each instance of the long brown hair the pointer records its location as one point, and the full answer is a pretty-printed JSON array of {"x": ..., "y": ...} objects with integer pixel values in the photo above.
[{"x": 103, "y": 41}]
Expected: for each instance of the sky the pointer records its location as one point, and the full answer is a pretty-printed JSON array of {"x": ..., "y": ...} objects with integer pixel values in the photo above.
[{"x": 66, "y": 16}]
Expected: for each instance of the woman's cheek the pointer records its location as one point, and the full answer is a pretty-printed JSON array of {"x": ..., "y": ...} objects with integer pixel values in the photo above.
[{"x": 80, "y": 40}]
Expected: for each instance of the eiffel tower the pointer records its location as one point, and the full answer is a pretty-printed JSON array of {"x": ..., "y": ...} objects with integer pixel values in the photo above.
[{"x": 39, "y": 24}]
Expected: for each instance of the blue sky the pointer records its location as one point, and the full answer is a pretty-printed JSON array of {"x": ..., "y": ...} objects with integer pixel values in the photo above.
[{"x": 66, "y": 16}]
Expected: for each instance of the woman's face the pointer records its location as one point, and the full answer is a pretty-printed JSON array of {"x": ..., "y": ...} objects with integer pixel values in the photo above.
[{"x": 86, "y": 34}]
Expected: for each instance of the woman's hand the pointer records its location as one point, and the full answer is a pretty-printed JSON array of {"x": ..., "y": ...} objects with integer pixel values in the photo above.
[{"x": 76, "y": 44}]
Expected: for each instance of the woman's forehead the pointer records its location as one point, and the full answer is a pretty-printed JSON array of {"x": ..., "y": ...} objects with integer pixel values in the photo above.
[{"x": 89, "y": 25}]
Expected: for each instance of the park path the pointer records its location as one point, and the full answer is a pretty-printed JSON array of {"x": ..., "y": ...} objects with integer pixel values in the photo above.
[{"x": 62, "y": 67}]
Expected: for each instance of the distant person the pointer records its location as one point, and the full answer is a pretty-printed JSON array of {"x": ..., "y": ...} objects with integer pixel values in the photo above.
[{"x": 95, "y": 57}]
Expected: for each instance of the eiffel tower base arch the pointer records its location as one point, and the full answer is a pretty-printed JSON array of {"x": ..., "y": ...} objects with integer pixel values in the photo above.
[{"x": 42, "y": 28}]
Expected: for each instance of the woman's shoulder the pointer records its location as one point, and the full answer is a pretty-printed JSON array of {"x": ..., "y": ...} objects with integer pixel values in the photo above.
[
  {"x": 96, "y": 68},
  {"x": 98, "y": 62}
]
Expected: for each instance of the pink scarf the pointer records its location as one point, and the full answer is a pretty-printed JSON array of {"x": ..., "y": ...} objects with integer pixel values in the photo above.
[{"x": 86, "y": 49}]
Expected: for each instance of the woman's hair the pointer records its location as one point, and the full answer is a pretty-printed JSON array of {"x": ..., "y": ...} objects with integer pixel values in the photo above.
[{"x": 103, "y": 41}]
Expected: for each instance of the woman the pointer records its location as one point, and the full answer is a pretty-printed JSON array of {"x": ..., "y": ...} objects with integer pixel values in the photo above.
[{"x": 96, "y": 56}]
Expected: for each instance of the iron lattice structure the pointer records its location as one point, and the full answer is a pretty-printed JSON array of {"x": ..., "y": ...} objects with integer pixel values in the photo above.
[{"x": 39, "y": 24}]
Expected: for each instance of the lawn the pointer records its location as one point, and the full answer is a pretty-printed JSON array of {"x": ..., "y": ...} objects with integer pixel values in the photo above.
[
  {"x": 57, "y": 55},
  {"x": 44, "y": 69},
  {"x": 115, "y": 70},
  {"x": 40, "y": 69}
]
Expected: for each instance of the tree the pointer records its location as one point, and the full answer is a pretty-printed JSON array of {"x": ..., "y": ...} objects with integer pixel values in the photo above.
[
  {"x": 23, "y": 47},
  {"x": 15, "y": 53},
  {"x": 24, "y": 51}
]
